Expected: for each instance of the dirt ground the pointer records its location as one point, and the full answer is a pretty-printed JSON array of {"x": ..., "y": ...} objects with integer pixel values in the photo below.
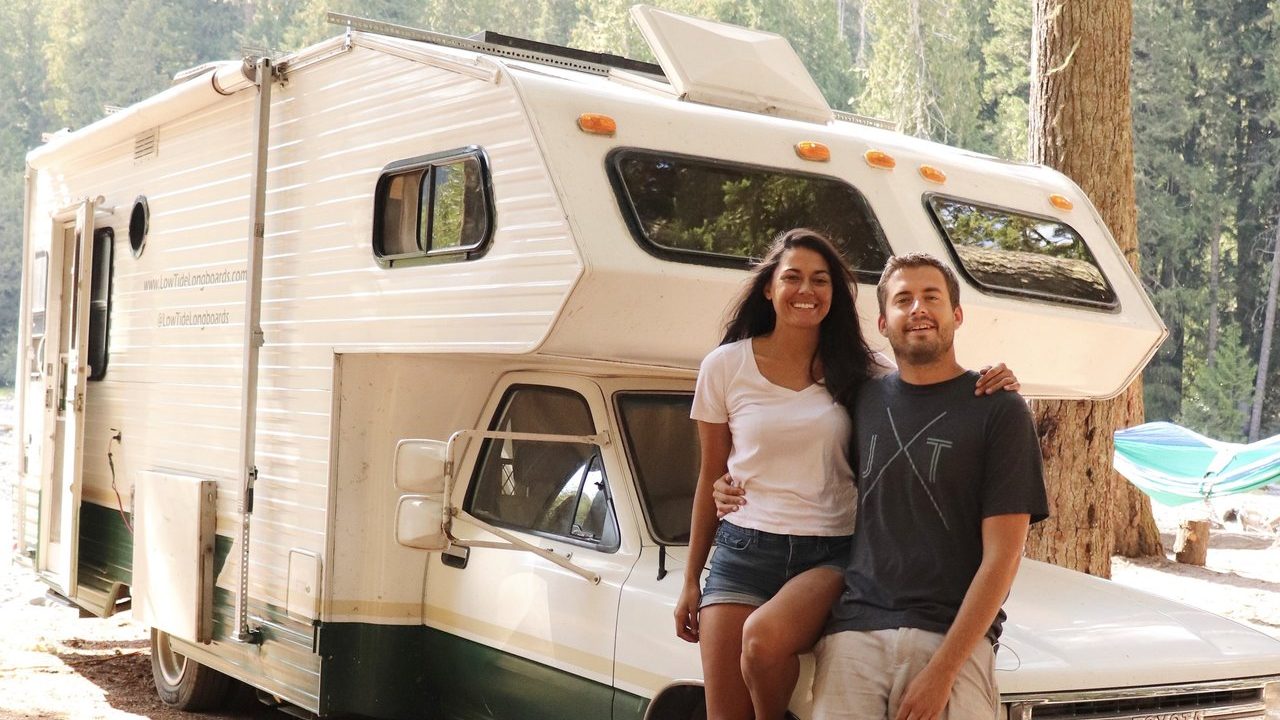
[
  {"x": 1240, "y": 579},
  {"x": 55, "y": 664}
]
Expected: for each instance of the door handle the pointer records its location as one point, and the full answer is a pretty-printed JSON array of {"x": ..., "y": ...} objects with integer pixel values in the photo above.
[{"x": 455, "y": 556}]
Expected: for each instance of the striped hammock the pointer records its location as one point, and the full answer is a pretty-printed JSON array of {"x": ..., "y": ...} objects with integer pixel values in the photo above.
[{"x": 1174, "y": 465}]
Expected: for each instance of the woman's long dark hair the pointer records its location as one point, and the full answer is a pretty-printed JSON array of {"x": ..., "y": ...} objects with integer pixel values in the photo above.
[{"x": 846, "y": 358}]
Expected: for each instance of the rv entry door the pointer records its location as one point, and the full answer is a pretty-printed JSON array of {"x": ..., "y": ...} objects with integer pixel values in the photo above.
[{"x": 63, "y": 364}]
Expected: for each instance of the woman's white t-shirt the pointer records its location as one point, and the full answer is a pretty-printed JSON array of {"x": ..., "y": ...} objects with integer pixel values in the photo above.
[{"x": 790, "y": 448}]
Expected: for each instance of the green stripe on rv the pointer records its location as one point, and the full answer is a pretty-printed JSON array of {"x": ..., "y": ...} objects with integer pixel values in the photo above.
[
  {"x": 106, "y": 548},
  {"x": 398, "y": 671}
]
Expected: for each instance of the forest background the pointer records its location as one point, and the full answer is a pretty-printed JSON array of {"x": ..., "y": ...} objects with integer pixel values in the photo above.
[{"x": 1205, "y": 98}]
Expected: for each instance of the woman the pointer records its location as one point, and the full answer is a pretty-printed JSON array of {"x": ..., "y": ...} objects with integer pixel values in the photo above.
[{"x": 771, "y": 405}]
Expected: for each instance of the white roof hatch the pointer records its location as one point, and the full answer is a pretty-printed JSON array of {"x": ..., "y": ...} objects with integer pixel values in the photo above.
[{"x": 718, "y": 64}]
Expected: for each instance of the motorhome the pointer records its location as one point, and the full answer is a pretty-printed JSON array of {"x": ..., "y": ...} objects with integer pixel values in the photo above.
[{"x": 362, "y": 375}]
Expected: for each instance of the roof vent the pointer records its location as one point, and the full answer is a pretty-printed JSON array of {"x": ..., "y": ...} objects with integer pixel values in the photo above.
[
  {"x": 718, "y": 64},
  {"x": 146, "y": 145}
]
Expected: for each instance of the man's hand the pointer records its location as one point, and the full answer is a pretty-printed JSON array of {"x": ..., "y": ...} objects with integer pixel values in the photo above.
[
  {"x": 994, "y": 378},
  {"x": 728, "y": 496},
  {"x": 926, "y": 695}
]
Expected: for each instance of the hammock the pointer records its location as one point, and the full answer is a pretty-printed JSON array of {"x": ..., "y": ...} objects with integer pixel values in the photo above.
[{"x": 1174, "y": 465}]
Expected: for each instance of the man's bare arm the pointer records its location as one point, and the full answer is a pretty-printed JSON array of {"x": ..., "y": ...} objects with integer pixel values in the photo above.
[{"x": 1003, "y": 538}]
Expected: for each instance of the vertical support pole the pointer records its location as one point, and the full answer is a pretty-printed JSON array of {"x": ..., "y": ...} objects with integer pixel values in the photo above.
[{"x": 264, "y": 76}]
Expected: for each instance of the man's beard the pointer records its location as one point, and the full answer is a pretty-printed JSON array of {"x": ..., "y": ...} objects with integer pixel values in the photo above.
[{"x": 920, "y": 353}]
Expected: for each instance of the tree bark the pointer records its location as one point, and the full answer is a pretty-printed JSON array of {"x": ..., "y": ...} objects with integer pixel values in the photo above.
[
  {"x": 1264, "y": 351},
  {"x": 1191, "y": 546},
  {"x": 920, "y": 109},
  {"x": 1215, "y": 261},
  {"x": 1081, "y": 125}
]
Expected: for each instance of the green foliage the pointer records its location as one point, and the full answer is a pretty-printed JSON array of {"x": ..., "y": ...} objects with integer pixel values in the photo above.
[
  {"x": 925, "y": 70},
  {"x": 22, "y": 119},
  {"x": 1006, "y": 78},
  {"x": 1217, "y": 400}
]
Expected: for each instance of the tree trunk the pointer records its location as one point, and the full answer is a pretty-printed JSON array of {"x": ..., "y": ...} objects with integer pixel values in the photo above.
[
  {"x": 1081, "y": 125},
  {"x": 1191, "y": 546},
  {"x": 1264, "y": 351},
  {"x": 1215, "y": 261},
  {"x": 920, "y": 108}
]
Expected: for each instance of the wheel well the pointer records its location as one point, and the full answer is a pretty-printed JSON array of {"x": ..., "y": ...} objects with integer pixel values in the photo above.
[{"x": 686, "y": 701}]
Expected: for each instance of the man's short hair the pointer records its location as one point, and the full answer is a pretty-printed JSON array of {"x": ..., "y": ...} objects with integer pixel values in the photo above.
[{"x": 915, "y": 260}]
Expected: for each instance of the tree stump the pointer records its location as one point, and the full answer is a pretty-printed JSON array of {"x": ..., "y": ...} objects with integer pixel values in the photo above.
[{"x": 1191, "y": 545}]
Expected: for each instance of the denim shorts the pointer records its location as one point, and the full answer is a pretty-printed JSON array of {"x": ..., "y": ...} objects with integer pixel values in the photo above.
[{"x": 750, "y": 566}]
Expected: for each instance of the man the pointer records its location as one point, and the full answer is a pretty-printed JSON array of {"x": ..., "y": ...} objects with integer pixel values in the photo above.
[{"x": 948, "y": 484}]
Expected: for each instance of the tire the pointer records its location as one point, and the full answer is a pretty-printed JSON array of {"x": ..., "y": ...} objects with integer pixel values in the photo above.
[
  {"x": 679, "y": 702},
  {"x": 183, "y": 683}
]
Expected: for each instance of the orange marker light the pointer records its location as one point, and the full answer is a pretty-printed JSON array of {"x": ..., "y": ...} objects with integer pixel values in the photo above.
[
  {"x": 597, "y": 124},
  {"x": 1060, "y": 202},
  {"x": 815, "y": 151},
  {"x": 932, "y": 174},
  {"x": 878, "y": 159}
]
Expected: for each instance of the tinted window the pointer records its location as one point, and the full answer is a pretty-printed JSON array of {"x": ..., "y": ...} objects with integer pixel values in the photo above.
[
  {"x": 1007, "y": 252},
  {"x": 100, "y": 302},
  {"x": 553, "y": 488},
  {"x": 662, "y": 445},
  {"x": 432, "y": 206},
  {"x": 713, "y": 212}
]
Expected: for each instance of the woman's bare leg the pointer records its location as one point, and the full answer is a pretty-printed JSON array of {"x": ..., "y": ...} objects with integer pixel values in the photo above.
[
  {"x": 775, "y": 635},
  {"x": 720, "y": 641}
]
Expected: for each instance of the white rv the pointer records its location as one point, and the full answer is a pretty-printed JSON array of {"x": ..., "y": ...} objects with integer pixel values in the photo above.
[{"x": 363, "y": 375}]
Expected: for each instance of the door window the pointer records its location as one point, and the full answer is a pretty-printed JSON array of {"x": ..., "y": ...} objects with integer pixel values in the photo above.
[
  {"x": 100, "y": 302},
  {"x": 662, "y": 445},
  {"x": 549, "y": 488}
]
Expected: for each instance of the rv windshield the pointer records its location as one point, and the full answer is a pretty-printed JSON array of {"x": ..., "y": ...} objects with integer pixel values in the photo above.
[
  {"x": 713, "y": 212},
  {"x": 662, "y": 445}
]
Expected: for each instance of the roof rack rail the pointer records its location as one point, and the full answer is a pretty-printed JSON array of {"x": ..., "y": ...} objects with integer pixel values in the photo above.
[
  {"x": 492, "y": 43},
  {"x": 863, "y": 120}
]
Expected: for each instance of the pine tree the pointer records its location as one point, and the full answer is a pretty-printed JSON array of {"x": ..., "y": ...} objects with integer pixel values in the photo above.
[
  {"x": 1081, "y": 125},
  {"x": 1006, "y": 52},
  {"x": 923, "y": 74},
  {"x": 1217, "y": 399},
  {"x": 22, "y": 119}
]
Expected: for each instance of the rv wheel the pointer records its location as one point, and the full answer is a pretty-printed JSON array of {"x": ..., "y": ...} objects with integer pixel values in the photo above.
[{"x": 183, "y": 683}]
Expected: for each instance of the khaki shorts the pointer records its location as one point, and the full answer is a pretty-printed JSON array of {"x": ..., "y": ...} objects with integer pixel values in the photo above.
[{"x": 863, "y": 675}]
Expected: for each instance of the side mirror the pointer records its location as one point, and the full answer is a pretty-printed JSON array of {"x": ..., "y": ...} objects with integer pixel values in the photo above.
[
  {"x": 420, "y": 522},
  {"x": 419, "y": 470},
  {"x": 419, "y": 466}
]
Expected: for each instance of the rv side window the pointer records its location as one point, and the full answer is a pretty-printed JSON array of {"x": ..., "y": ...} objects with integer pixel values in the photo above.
[
  {"x": 549, "y": 488},
  {"x": 100, "y": 302},
  {"x": 1012, "y": 253},
  {"x": 431, "y": 207},
  {"x": 713, "y": 212},
  {"x": 662, "y": 447}
]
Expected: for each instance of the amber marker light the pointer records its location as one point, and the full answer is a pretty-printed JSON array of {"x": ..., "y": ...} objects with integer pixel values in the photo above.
[
  {"x": 815, "y": 151},
  {"x": 879, "y": 159},
  {"x": 932, "y": 174},
  {"x": 597, "y": 124},
  {"x": 1060, "y": 202}
]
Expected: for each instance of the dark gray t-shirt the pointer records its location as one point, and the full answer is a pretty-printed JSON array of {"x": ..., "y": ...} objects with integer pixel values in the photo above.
[{"x": 932, "y": 462}]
